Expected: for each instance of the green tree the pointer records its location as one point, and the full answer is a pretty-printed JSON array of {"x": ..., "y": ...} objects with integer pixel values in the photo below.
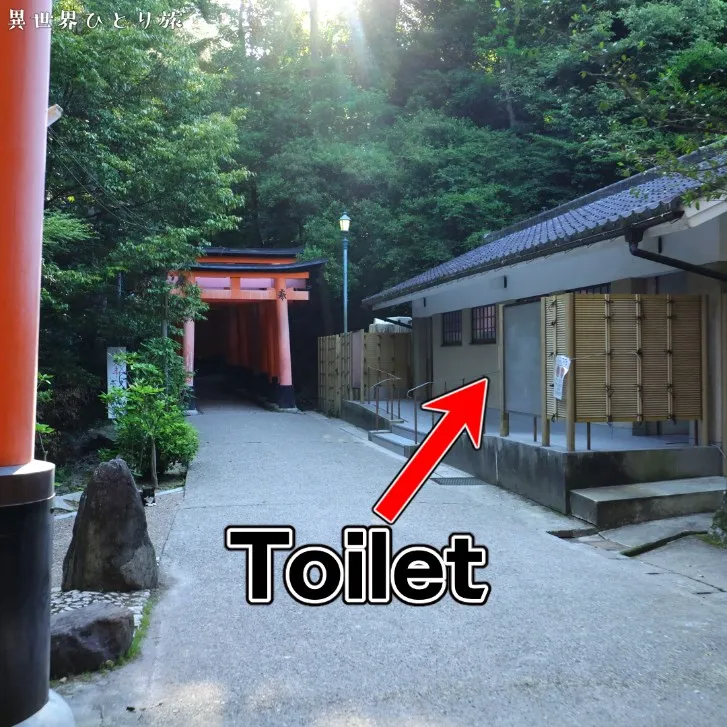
[{"x": 140, "y": 177}]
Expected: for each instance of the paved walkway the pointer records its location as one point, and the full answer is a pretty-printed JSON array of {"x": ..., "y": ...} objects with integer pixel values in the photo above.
[{"x": 571, "y": 635}]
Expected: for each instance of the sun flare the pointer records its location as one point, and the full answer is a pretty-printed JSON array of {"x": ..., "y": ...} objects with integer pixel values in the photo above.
[{"x": 327, "y": 9}]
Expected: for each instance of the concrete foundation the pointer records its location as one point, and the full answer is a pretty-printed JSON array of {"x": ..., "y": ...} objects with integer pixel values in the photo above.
[
  {"x": 55, "y": 713},
  {"x": 363, "y": 417},
  {"x": 547, "y": 476}
]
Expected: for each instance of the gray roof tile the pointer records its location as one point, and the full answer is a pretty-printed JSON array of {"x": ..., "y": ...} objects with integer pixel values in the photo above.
[{"x": 612, "y": 208}]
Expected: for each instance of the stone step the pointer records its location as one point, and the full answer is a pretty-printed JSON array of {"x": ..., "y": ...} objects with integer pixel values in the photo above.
[
  {"x": 61, "y": 504},
  {"x": 393, "y": 442},
  {"x": 612, "y": 507}
]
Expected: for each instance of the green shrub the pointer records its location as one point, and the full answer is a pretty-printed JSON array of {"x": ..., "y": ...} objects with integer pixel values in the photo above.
[
  {"x": 152, "y": 433},
  {"x": 176, "y": 442}
]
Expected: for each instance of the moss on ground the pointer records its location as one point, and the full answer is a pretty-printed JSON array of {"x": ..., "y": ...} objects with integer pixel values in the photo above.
[{"x": 715, "y": 540}]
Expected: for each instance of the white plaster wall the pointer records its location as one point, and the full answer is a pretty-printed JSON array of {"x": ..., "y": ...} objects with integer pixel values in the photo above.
[{"x": 455, "y": 365}]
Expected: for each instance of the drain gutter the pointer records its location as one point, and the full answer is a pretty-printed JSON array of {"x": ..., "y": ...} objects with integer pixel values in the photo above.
[{"x": 634, "y": 235}]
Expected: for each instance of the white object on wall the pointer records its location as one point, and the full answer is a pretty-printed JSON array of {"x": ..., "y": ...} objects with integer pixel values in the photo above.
[{"x": 562, "y": 365}]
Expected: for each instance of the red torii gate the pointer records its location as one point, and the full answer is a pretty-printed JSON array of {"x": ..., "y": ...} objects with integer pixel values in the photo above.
[
  {"x": 254, "y": 287},
  {"x": 26, "y": 485}
]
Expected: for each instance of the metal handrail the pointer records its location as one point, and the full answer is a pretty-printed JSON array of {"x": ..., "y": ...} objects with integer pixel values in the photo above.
[
  {"x": 416, "y": 409},
  {"x": 383, "y": 381},
  {"x": 390, "y": 402},
  {"x": 426, "y": 383}
]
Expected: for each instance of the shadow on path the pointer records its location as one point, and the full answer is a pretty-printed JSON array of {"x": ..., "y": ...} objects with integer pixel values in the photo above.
[{"x": 569, "y": 635}]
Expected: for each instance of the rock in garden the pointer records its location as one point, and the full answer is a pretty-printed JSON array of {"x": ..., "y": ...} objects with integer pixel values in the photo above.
[
  {"x": 84, "y": 639},
  {"x": 110, "y": 549}
]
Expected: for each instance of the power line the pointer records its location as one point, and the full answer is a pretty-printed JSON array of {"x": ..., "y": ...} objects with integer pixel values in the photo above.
[{"x": 124, "y": 220}]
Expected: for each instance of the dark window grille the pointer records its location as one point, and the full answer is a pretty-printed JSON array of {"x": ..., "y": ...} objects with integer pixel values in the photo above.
[
  {"x": 603, "y": 289},
  {"x": 452, "y": 328},
  {"x": 484, "y": 324}
]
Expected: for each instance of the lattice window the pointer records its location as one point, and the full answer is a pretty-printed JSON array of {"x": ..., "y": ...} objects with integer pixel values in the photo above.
[
  {"x": 484, "y": 324},
  {"x": 452, "y": 328}
]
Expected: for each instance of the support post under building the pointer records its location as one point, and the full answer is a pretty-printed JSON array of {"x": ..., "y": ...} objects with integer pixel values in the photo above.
[{"x": 26, "y": 485}]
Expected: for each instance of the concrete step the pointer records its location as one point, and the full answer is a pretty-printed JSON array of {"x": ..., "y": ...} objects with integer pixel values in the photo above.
[
  {"x": 612, "y": 507},
  {"x": 407, "y": 431},
  {"x": 394, "y": 442}
]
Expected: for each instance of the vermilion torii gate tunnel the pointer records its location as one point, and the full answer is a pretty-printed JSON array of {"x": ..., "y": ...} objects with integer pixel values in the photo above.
[{"x": 247, "y": 325}]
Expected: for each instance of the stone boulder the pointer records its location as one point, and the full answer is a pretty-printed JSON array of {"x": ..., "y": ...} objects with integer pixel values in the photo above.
[
  {"x": 110, "y": 549},
  {"x": 84, "y": 639}
]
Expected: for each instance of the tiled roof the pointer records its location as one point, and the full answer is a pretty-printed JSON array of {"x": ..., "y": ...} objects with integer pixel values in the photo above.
[
  {"x": 611, "y": 209},
  {"x": 276, "y": 268},
  {"x": 253, "y": 251}
]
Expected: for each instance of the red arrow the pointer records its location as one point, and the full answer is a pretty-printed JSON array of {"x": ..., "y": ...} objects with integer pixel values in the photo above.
[{"x": 464, "y": 410}]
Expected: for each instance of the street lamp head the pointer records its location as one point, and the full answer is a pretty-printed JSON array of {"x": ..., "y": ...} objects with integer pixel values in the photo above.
[{"x": 344, "y": 222}]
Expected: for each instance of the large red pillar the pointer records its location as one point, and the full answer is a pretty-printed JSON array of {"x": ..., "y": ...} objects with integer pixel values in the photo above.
[
  {"x": 286, "y": 393},
  {"x": 26, "y": 486}
]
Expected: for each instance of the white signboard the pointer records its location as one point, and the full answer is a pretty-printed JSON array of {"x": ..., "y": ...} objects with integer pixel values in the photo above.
[
  {"x": 115, "y": 373},
  {"x": 562, "y": 364}
]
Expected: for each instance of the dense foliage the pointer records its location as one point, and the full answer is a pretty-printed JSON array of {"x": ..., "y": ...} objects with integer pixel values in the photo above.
[
  {"x": 429, "y": 121},
  {"x": 152, "y": 433}
]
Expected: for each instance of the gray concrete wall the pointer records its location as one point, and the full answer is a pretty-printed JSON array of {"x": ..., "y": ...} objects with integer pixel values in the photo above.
[
  {"x": 421, "y": 350},
  {"x": 360, "y": 416},
  {"x": 547, "y": 476},
  {"x": 523, "y": 375}
]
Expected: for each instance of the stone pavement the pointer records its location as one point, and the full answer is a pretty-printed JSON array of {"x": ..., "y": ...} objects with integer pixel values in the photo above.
[{"x": 571, "y": 634}]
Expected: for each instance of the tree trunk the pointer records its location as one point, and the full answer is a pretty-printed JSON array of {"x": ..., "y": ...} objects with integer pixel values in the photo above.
[
  {"x": 165, "y": 335},
  {"x": 508, "y": 96},
  {"x": 326, "y": 310},
  {"x": 148, "y": 494},
  {"x": 154, "y": 477},
  {"x": 255, "y": 211},
  {"x": 315, "y": 38}
]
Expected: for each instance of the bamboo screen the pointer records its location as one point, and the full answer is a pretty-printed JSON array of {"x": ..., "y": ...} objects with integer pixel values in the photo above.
[
  {"x": 634, "y": 357},
  {"x": 556, "y": 344},
  {"x": 329, "y": 375},
  {"x": 342, "y": 364},
  {"x": 387, "y": 354}
]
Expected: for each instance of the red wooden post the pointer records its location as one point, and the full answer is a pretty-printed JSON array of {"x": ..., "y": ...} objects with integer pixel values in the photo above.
[
  {"x": 286, "y": 393},
  {"x": 26, "y": 485}
]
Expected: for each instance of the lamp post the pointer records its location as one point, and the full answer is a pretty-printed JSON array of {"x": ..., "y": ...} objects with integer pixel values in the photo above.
[{"x": 345, "y": 222}]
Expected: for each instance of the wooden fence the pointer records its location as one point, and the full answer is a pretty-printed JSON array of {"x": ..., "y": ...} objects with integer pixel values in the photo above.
[
  {"x": 350, "y": 364},
  {"x": 633, "y": 358}
]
